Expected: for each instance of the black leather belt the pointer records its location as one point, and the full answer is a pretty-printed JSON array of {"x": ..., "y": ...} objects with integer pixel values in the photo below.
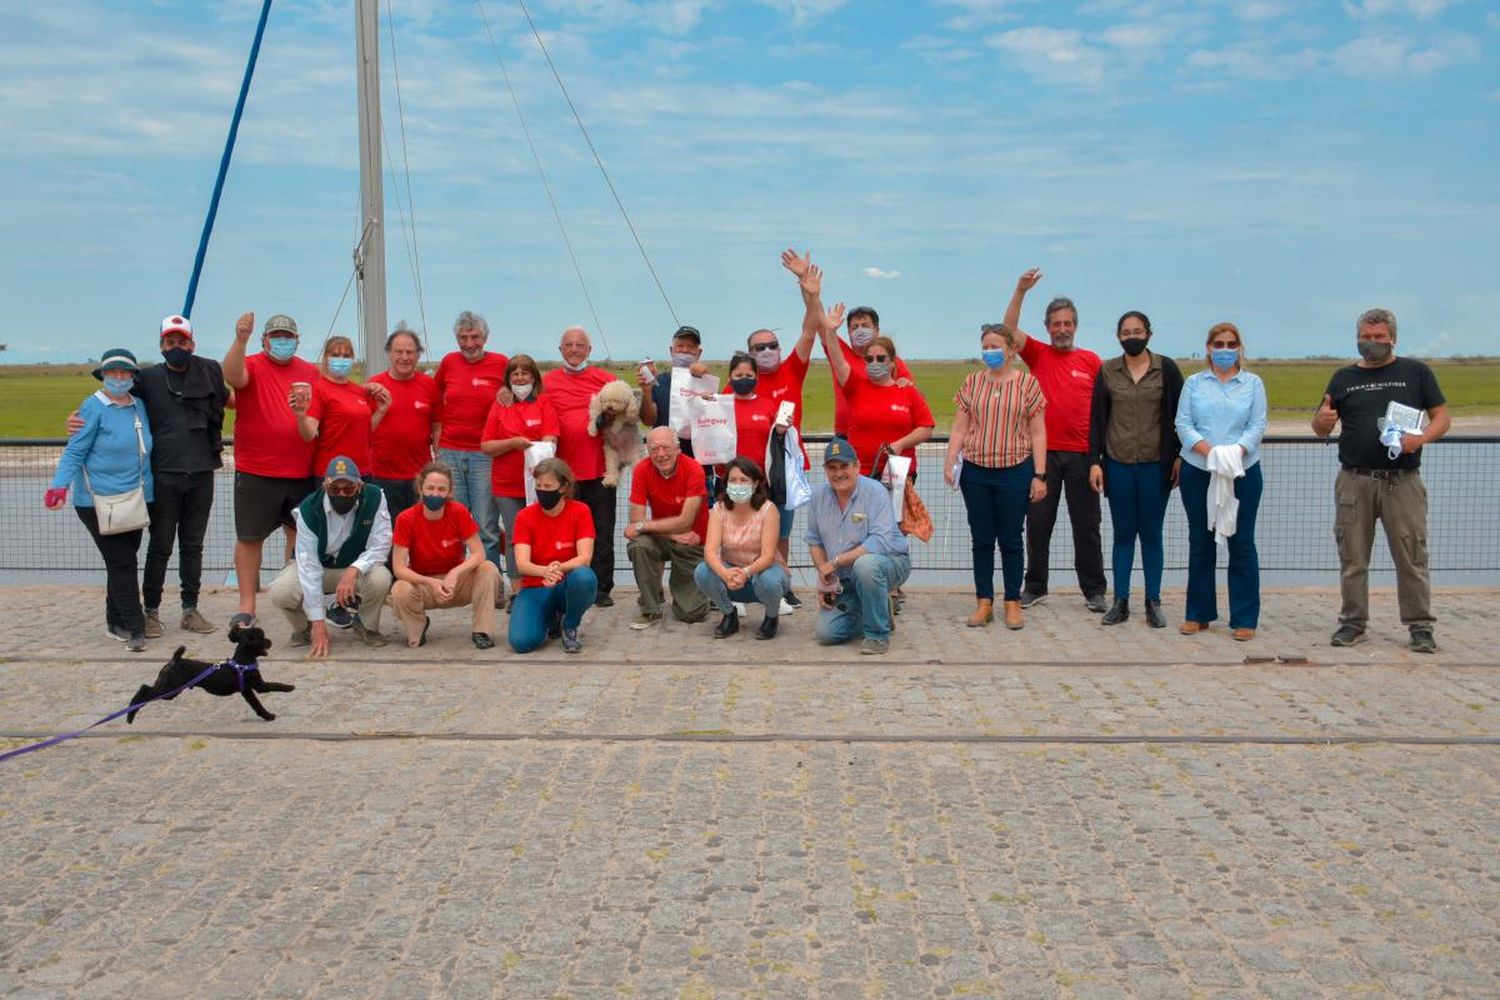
[{"x": 1380, "y": 473}]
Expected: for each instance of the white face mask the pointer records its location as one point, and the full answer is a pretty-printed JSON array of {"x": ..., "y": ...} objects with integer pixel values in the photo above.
[
  {"x": 861, "y": 336},
  {"x": 578, "y": 367},
  {"x": 521, "y": 392}
]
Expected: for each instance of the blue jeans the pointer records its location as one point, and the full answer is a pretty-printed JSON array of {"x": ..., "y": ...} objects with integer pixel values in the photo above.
[
  {"x": 996, "y": 501},
  {"x": 1137, "y": 508},
  {"x": 1244, "y": 562},
  {"x": 765, "y": 587},
  {"x": 473, "y": 489},
  {"x": 534, "y": 609},
  {"x": 865, "y": 605}
]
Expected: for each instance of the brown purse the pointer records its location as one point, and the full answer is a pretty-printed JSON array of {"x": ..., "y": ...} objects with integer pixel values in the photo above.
[{"x": 915, "y": 520}]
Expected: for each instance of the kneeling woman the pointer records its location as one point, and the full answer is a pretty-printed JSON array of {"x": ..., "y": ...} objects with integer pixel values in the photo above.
[
  {"x": 552, "y": 547},
  {"x": 439, "y": 561},
  {"x": 740, "y": 553}
]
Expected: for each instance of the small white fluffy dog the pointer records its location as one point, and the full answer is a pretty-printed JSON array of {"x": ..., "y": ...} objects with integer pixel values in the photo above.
[{"x": 620, "y": 407}]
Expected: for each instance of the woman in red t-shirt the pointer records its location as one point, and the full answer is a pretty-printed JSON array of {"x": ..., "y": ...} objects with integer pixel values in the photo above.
[
  {"x": 508, "y": 432},
  {"x": 553, "y": 548},
  {"x": 439, "y": 562},
  {"x": 880, "y": 411},
  {"x": 753, "y": 412},
  {"x": 338, "y": 413}
]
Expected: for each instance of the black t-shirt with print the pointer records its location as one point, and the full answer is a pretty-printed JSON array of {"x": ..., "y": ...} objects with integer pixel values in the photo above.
[{"x": 1361, "y": 395}]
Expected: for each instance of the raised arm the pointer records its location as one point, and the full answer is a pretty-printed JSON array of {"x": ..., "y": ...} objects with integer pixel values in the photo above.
[
  {"x": 234, "y": 362},
  {"x": 828, "y": 327},
  {"x": 1025, "y": 283},
  {"x": 810, "y": 284}
]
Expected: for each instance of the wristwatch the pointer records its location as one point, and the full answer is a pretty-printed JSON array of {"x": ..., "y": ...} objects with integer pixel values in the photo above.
[
  {"x": 640, "y": 526},
  {"x": 1040, "y": 475}
]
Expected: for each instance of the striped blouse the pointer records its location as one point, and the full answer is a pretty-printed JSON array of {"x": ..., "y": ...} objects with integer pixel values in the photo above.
[{"x": 999, "y": 432}]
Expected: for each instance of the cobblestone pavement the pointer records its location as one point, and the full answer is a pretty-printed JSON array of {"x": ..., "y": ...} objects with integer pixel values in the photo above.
[{"x": 1067, "y": 811}]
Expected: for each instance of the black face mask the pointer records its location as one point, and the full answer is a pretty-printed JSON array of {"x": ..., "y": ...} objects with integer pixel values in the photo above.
[
  {"x": 177, "y": 357},
  {"x": 742, "y": 386},
  {"x": 342, "y": 505},
  {"x": 548, "y": 498},
  {"x": 1134, "y": 346}
]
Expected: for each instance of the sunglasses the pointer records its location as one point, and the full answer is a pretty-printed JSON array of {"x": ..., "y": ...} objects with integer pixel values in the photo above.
[
  {"x": 1219, "y": 345},
  {"x": 770, "y": 345},
  {"x": 343, "y": 490},
  {"x": 879, "y": 358}
]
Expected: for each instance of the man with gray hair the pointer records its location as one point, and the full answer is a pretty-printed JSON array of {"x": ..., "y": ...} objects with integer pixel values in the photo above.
[
  {"x": 467, "y": 382},
  {"x": 1390, "y": 408}
]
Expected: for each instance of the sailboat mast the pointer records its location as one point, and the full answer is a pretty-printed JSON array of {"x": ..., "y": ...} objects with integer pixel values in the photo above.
[{"x": 370, "y": 254}]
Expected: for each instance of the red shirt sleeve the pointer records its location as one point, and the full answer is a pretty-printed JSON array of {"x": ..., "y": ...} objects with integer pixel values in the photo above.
[
  {"x": 921, "y": 413},
  {"x": 638, "y": 482}
]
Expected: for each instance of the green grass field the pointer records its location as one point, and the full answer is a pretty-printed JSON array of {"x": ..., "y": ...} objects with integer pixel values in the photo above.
[{"x": 35, "y": 399}]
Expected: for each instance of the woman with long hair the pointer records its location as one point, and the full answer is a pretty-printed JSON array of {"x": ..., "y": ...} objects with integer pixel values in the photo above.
[{"x": 740, "y": 557}]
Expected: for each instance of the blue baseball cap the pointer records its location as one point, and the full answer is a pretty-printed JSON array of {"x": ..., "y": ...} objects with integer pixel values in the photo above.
[
  {"x": 343, "y": 467},
  {"x": 840, "y": 450}
]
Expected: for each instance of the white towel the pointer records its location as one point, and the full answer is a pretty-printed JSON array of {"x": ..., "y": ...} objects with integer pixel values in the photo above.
[{"x": 1226, "y": 463}]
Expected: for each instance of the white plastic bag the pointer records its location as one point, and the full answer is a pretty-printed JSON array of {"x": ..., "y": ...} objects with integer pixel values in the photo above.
[
  {"x": 798, "y": 489},
  {"x": 684, "y": 388},
  {"x": 713, "y": 429},
  {"x": 534, "y": 454},
  {"x": 897, "y": 469}
]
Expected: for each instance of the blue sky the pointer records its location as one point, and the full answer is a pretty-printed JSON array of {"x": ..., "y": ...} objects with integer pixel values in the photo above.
[{"x": 1282, "y": 165}]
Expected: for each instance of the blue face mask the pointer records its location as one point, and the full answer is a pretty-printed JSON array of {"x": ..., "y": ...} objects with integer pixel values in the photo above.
[
  {"x": 432, "y": 502},
  {"x": 282, "y": 348},
  {"x": 340, "y": 366},
  {"x": 739, "y": 492},
  {"x": 118, "y": 385},
  {"x": 994, "y": 357},
  {"x": 1224, "y": 358}
]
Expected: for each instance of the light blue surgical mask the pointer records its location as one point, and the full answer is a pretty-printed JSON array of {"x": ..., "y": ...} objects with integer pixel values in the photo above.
[
  {"x": 118, "y": 385},
  {"x": 340, "y": 366},
  {"x": 878, "y": 371},
  {"x": 739, "y": 492},
  {"x": 282, "y": 348},
  {"x": 994, "y": 357},
  {"x": 1224, "y": 358}
]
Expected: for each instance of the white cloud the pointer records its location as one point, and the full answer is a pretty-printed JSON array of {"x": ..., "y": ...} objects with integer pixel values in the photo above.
[
  {"x": 879, "y": 274},
  {"x": 978, "y": 13},
  {"x": 1259, "y": 11},
  {"x": 805, "y": 12},
  {"x": 1254, "y": 61},
  {"x": 1379, "y": 56},
  {"x": 1382, "y": 8},
  {"x": 1055, "y": 53}
]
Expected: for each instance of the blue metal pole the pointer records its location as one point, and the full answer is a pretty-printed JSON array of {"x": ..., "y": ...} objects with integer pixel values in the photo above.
[{"x": 234, "y": 128}]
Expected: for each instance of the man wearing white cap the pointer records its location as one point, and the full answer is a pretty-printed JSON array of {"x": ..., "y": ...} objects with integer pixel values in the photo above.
[{"x": 343, "y": 539}]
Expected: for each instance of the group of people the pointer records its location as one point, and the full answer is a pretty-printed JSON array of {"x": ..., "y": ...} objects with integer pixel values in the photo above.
[{"x": 430, "y": 491}]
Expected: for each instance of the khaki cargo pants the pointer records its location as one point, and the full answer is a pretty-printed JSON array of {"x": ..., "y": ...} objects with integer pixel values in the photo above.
[{"x": 1400, "y": 505}]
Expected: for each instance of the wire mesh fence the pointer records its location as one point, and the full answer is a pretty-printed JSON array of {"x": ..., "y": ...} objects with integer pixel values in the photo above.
[{"x": 1294, "y": 528}]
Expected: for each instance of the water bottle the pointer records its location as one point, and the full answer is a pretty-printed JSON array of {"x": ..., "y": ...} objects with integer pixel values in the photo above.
[{"x": 648, "y": 372}]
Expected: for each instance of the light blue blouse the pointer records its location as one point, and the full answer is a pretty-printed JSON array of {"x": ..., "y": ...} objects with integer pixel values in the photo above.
[
  {"x": 107, "y": 447},
  {"x": 1228, "y": 412}
]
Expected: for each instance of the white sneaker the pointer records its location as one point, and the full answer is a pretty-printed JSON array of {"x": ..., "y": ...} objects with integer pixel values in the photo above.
[
  {"x": 787, "y": 609},
  {"x": 741, "y": 609}
]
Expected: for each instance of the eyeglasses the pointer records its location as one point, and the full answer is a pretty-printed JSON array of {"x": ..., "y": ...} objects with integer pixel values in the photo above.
[
  {"x": 1219, "y": 345},
  {"x": 769, "y": 345},
  {"x": 343, "y": 490}
]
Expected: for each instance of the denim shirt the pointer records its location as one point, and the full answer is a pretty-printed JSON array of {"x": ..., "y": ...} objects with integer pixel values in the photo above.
[
  {"x": 868, "y": 520},
  {"x": 1229, "y": 412}
]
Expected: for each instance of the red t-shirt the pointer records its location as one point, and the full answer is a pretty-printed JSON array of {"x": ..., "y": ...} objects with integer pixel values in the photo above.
[
  {"x": 552, "y": 539},
  {"x": 752, "y": 426},
  {"x": 533, "y": 419},
  {"x": 342, "y": 410},
  {"x": 856, "y": 361},
  {"x": 402, "y": 444},
  {"x": 266, "y": 442},
  {"x": 785, "y": 383},
  {"x": 1067, "y": 380},
  {"x": 664, "y": 497},
  {"x": 570, "y": 393},
  {"x": 434, "y": 547},
  {"x": 467, "y": 391},
  {"x": 879, "y": 414}
]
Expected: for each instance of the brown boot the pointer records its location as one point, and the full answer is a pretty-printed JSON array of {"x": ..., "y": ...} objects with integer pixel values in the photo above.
[
  {"x": 983, "y": 614},
  {"x": 1013, "y": 619}
]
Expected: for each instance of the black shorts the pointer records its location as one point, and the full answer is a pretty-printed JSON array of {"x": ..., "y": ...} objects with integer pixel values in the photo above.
[{"x": 264, "y": 503}]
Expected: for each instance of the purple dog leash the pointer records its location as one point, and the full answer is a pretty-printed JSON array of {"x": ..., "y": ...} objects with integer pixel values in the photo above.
[{"x": 124, "y": 711}]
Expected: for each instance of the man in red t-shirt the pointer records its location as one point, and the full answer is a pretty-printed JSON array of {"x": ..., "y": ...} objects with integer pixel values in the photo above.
[
  {"x": 570, "y": 388},
  {"x": 468, "y": 380},
  {"x": 674, "y": 489},
  {"x": 1067, "y": 375},
  {"x": 273, "y": 469},
  {"x": 401, "y": 440}
]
